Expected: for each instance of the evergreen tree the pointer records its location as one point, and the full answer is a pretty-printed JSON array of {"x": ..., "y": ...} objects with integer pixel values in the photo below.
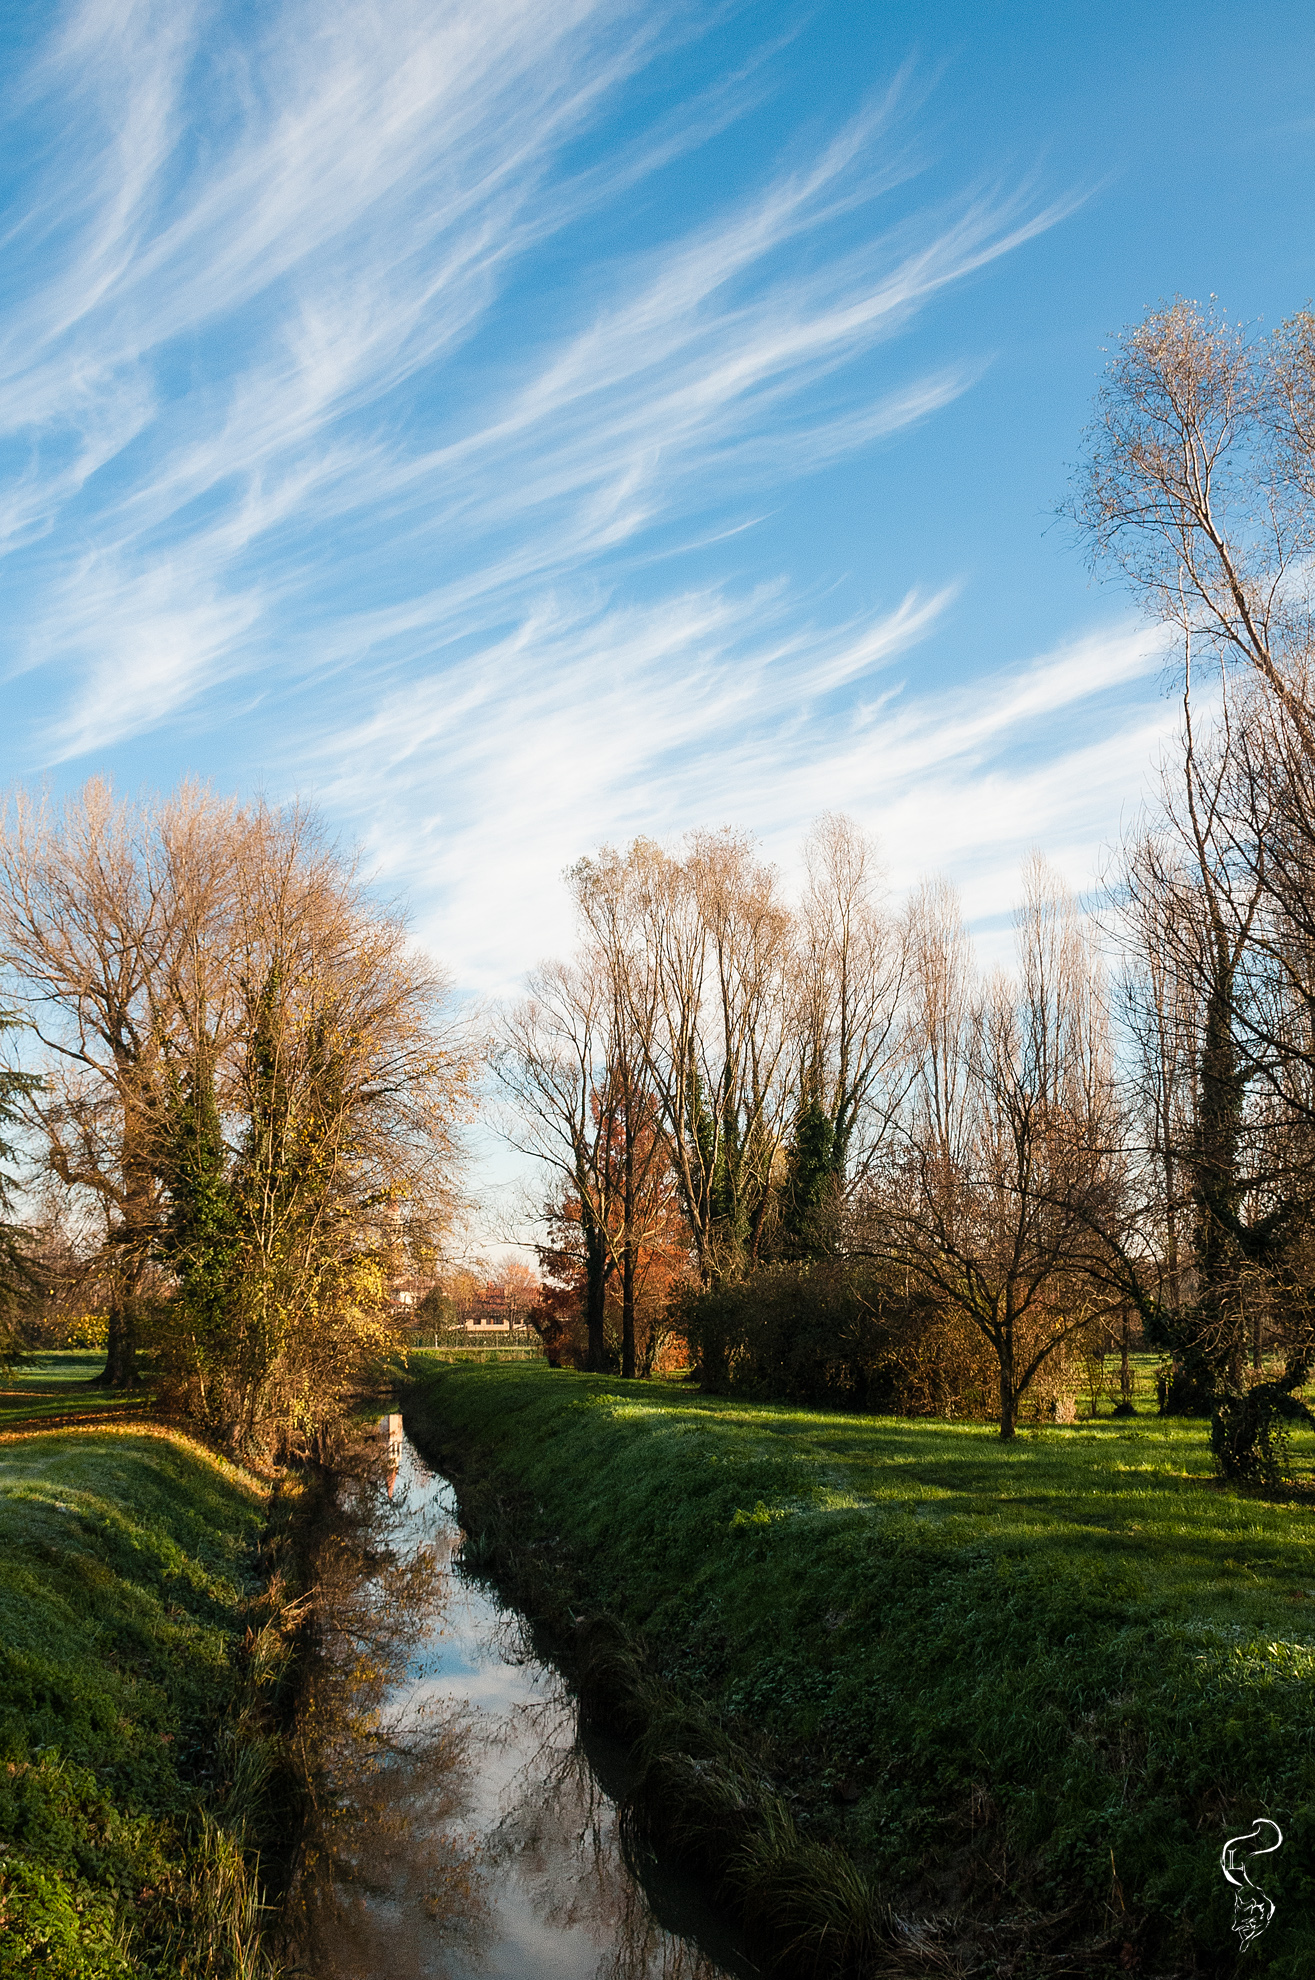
[
  {"x": 812, "y": 1178},
  {"x": 199, "y": 1242}
]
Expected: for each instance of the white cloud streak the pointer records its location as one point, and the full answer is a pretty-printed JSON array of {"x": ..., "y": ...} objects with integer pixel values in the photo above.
[
  {"x": 257, "y": 423},
  {"x": 472, "y": 794}
]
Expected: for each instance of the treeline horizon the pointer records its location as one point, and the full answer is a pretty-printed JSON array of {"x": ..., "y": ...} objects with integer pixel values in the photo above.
[{"x": 817, "y": 1143}]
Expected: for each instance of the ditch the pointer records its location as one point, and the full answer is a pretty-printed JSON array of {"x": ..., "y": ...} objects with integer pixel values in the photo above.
[{"x": 461, "y": 1822}]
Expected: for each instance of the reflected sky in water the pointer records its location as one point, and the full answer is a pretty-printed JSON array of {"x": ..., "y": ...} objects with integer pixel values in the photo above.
[{"x": 461, "y": 1829}]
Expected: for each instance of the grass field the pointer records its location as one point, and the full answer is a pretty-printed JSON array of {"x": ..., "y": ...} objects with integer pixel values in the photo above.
[
  {"x": 59, "y": 1384},
  {"x": 1044, "y": 1678},
  {"x": 460, "y": 1355},
  {"x": 127, "y": 1557}
]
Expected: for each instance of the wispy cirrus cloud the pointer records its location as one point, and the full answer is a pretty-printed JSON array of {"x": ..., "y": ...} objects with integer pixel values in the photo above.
[
  {"x": 472, "y": 793},
  {"x": 275, "y": 412}
]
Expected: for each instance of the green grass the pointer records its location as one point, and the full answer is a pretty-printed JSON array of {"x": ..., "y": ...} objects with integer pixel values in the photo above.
[
  {"x": 1055, "y": 1672},
  {"x": 58, "y": 1384},
  {"x": 127, "y": 1558},
  {"x": 460, "y": 1355}
]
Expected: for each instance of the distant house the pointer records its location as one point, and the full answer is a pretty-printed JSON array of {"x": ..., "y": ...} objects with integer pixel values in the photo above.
[
  {"x": 494, "y": 1310},
  {"x": 464, "y": 1312}
]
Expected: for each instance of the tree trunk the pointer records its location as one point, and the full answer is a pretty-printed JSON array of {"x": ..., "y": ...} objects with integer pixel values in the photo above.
[
  {"x": 1125, "y": 1368},
  {"x": 109, "y": 1374},
  {"x": 130, "y": 1244},
  {"x": 595, "y": 1298},
  {"x": 1218, "y": 1191},
  {"x": 628, "y": 1311},
  {"x": 1008, "y": 1397},
  {"x": 120, "y": 1370}
]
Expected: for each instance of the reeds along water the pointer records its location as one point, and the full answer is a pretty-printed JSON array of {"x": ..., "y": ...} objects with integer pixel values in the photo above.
[{"x": 458, "y": 1825}]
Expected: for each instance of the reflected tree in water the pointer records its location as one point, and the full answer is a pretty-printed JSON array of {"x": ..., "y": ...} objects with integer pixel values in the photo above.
[{"x": 385, "y": 1786}]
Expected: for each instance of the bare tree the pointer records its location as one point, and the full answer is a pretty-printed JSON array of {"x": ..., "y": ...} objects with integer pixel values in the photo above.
[
  {"x": 849, "y": 974},
  {"x": 102, "y": 904},
  {"x": 1009, "y": 1161},
  {"x": 640, "y": 1151},
  {"x": 574, "y": 1065},
  {"x": 709, "y": 982},
  {"x": 1198, "y": 485},
  {"x": 1160, "y": 1016},
  {"x": 555, "y": 1065},
  {"x": 942, "y": 988},
  {"x": 1194, "y": 907}
]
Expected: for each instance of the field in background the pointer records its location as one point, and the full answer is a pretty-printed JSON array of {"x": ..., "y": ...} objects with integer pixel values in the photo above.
[
  {"x": 58, "y": 1385},
  {"x": 482, "y": 1353}
]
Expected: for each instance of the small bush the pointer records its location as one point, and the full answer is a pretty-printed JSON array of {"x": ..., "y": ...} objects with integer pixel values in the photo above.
[
  {"x": 66, "y": 1331},
  {"x": 837, "y": 1333}
]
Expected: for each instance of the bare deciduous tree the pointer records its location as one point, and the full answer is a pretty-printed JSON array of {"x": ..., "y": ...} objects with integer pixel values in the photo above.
[
  {"x": 1009, "y": 1161},
  {"x": 640, "y": 1150},
  {"x": 101, "y": 904},
  {"x": 849, "y": 974},
  {"x": 1198, "y": 484},
  {"x": 709, "y": 976},
  {"x": 555, "y": 1065}
]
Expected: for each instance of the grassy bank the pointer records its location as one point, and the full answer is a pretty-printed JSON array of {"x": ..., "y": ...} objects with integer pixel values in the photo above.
[
  {"x": 1028, "y": 1689},
  {"x": 129, "y": 1763}
]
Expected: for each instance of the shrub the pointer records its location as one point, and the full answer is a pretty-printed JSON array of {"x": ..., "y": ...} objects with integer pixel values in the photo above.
[
  {"x": 836, "y": 1332},
  {"x": 56, "y": 1331}
]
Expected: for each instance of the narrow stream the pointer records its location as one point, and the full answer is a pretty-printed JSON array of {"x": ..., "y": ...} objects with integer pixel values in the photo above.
[{"x": 466, "y": 1828}]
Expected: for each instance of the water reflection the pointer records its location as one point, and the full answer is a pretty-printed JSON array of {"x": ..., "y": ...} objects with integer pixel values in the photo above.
[{"x": 460, "y": 1826}]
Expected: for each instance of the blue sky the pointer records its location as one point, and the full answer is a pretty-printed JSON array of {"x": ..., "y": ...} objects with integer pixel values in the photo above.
[{"x": 526, "y": 424}]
